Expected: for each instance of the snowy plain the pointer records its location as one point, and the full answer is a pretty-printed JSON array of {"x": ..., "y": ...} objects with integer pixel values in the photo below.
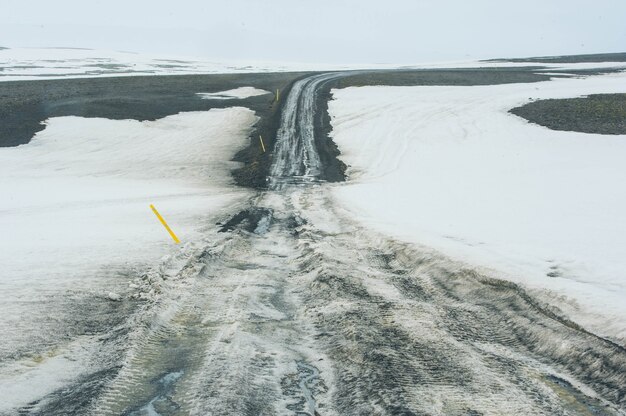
[
  {"x": 448, "y": 167},
  {"x": 49, "y": 63},
  {"x": 22, "y": 64},
  {"x": 76, "y": 216},
  {"x": 76, "y": 198},
  {"x": 98, "y": 175}
]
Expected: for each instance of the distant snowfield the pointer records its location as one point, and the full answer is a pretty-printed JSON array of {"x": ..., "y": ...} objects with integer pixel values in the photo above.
[
  {"x": 449, "y": 168},
  {"x": 50, "y": 63},
  {"x": 20, "y": 64},
  {"x": 237, "y": 93},
  {"x": 75, "y": 212}
]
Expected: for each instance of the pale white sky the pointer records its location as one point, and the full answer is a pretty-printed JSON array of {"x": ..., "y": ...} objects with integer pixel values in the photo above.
[{"x": 325, "y": 31}]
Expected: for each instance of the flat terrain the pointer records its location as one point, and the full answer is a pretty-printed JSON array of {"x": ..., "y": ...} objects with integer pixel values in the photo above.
[{"x": 288, "y": 303}]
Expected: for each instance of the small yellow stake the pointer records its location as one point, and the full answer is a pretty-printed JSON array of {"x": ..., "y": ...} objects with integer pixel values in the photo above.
[
  {"x": 262, "y": 144},
  {"x": 167, "y": 227},
  {"x": 277, "y": 94}
]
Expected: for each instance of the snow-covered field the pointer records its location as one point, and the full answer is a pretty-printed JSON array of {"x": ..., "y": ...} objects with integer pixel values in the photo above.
[
  {"x": 99, "y": 176},
  {"x": 75, "y": 216},
  {"x": 450, "y": 168},
  {"x": 236, "y": 319},
  {"x": 50, "y": 63},
  {"x": 46, "y": 63}
]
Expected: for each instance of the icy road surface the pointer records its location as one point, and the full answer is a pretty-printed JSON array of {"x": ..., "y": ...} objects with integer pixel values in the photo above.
[{"x": 299, "y": 310}]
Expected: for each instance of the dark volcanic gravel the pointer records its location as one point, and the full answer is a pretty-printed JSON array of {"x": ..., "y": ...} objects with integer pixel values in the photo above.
[
  {"x": 568, "y": 59},
  {"x": 472, "y": 76},
  {"x": 600, "y": 113}
]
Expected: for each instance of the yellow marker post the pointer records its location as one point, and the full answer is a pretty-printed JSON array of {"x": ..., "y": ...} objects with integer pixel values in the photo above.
[
  {"x": 277, "y": 94},
  {"x": 262, "y": 144},
  {"x": 167, "y": 227}
]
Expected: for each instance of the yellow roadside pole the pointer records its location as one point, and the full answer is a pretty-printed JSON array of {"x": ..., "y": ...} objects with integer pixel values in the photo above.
[
  {"x": 262, "y": 144},
  {"x": 167, "y": 227}
]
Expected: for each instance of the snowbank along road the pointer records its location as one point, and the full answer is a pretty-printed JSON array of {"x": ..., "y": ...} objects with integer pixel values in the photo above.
[{"x": 296, "y": 309}]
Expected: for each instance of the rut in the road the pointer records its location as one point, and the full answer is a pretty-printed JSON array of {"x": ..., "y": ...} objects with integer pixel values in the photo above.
[
  {"x": 410, "y": 332},
  {"x": 229, "y": 339},
  {"x": 315, "y": 314},
  {"x": 296, "y": 154}
]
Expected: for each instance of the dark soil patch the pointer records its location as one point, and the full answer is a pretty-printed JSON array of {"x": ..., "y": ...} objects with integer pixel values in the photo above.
[
  {"x": 334, "y": 169},
  {"x": 559, "y": 73},
  {"x": 461, "y": 77},
  {"x": 247, "y": 219},
  {"x": 569, "y": 59},
  {"x": 600, "y": 113}
]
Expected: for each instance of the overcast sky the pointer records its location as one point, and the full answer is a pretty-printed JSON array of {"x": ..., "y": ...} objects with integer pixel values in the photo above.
[{"x": 325, "y": 31}]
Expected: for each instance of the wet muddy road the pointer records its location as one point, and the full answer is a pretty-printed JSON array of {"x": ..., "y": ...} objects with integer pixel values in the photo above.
[{"x": 296, "y": 310}]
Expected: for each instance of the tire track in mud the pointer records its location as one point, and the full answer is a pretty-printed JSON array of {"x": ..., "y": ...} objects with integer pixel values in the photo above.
[
  {"x": 406, "y": 332},
  {"x": 413, "y": 333},
  {"x": 231, "y": 341}
]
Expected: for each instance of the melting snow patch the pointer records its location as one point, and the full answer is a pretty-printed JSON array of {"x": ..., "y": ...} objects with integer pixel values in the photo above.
[{"x": 237, "y": 93}]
